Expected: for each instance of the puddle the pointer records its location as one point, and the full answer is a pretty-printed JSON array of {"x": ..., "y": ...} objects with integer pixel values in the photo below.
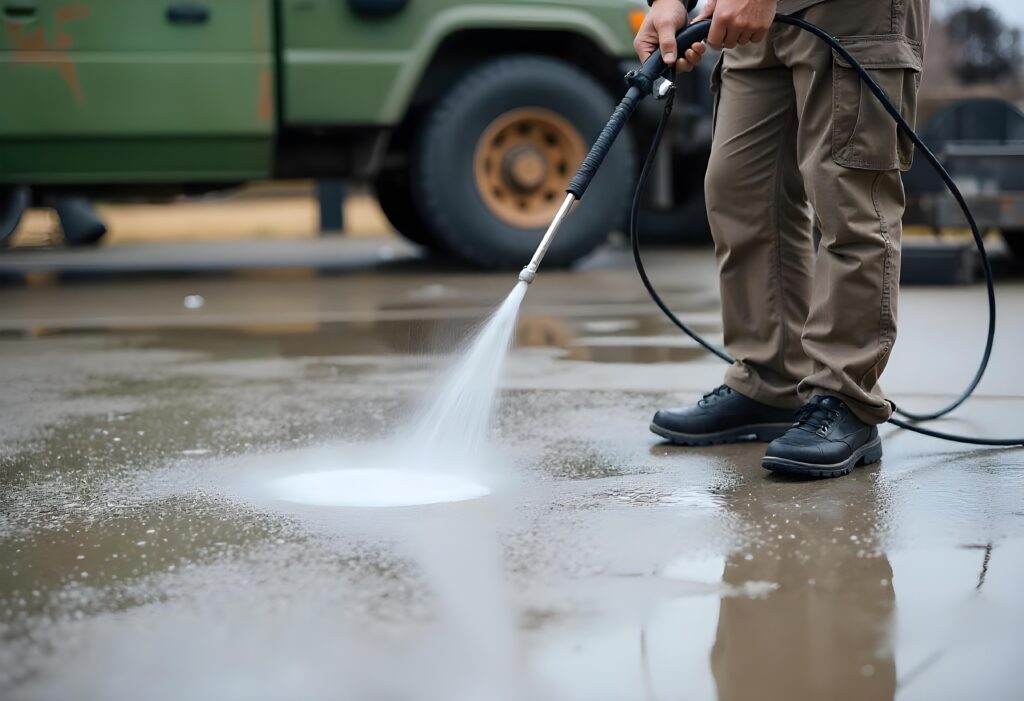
[
  {"x": 376, "y": 488},
  {"x": 610, "y": 325},
  {"x": 634, "y": 354},
  {"x": 629, "y": 338},
  {"x": 147, "y": 550}
]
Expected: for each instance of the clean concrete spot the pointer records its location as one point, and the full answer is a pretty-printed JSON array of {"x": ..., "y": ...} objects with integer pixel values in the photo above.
[{"x": 376, "y": 488}]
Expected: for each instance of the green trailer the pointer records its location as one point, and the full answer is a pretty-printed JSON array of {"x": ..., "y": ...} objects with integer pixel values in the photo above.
[{"x": 468, "y": 118}]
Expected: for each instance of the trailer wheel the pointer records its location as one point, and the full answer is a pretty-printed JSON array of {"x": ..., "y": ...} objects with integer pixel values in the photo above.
[
  {"x": 13, "y": 203},
  {"x": 398, "y": 202},
  {"x": 495, "y": 155},
  {"x": 81, "y": 224},
  {"x": 686, "y": 222},
  {"x": 1015, "y": 242},
  {"x": 685, "y": 225}
]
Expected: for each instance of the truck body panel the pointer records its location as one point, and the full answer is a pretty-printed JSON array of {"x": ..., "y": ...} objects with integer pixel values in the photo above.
[
  {"x": 116, "y": 90},
  {"x": 110, "y": 92},
  {"x": 340, "y": 68}
]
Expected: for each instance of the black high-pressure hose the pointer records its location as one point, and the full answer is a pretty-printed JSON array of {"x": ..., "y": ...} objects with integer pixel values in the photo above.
[{"x": 643, "y": 80}]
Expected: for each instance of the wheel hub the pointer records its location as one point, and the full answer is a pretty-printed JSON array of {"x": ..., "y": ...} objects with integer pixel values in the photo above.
[
  {"x": 523, "y": 163},
  {"x": 525, "y": 168}
]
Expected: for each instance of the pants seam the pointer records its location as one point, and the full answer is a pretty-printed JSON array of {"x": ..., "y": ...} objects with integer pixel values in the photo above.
[
  {"x": 779, "y": 291},
  {"x": 886, "y": 302}
]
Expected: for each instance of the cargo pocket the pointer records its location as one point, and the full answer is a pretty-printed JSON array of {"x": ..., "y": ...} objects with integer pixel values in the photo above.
[{"x": 864, "y": 135}]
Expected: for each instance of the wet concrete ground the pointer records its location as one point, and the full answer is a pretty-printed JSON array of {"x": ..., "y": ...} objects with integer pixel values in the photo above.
[{"x": 140, "y": 560}]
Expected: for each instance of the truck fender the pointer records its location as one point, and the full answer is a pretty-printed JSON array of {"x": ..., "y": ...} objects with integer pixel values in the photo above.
[{"x": 489, "y": 17}]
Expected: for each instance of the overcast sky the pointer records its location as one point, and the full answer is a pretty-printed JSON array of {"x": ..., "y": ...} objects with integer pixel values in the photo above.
[{"x": 1012, "y": 11}]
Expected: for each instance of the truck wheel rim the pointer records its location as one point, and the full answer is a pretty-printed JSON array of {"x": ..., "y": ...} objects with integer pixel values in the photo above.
[{"x": 523, "y": 163}]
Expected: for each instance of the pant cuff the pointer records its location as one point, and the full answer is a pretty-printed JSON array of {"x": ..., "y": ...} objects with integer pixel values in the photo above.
[{"x": 742, "y": 379}]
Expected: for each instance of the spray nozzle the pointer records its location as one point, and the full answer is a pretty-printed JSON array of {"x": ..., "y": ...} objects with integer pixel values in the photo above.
[{"x": 528, "y": 274}]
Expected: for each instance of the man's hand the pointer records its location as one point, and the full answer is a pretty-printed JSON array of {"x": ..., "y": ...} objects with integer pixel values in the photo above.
[
  {"x": 733, "y": 22},
  {"x": 736, "y": 22},
  {"x": 659, "y": 30}
]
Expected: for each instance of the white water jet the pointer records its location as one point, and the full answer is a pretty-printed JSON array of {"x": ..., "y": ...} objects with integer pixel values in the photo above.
[
  {"x": 455, "y": 426},
  {"x": 439, "y": 460}
]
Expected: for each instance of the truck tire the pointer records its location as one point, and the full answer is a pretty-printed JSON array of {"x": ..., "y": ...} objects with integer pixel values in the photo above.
[
  {"x": 13, "y": 203},
  {"x": 494, "y": 156},
  {"x": 398, "y": 202}
]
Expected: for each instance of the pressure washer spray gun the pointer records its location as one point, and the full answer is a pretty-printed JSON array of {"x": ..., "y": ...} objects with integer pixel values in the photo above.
[{"x": 655, "y": 78}]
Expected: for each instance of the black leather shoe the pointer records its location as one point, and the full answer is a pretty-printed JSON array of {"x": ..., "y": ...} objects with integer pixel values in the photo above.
[
  {"x": 828, "y": 440},
  {"x": 722, "y": 416}
]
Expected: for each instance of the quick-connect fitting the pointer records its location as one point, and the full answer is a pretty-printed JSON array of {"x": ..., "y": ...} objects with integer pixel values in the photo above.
[{"x": 528, "y": 274}]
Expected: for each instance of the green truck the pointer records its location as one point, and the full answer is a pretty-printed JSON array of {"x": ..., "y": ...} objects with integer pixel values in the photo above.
[{"x": 468, "y": 118}]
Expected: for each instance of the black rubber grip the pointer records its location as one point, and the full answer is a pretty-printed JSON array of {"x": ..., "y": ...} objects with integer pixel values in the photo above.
[
  {"x": 652, "y": 69},
  {"x": 655, "y": 68},
  {"x": 581, "y": 181}
]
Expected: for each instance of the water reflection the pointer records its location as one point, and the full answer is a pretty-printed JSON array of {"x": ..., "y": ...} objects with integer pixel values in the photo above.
[
  {"x": 628, "y": 339},
  {"x": 824, "y": 631},
  {"x": 801, "y": 606},
  {"x": 636, "y": 339}
]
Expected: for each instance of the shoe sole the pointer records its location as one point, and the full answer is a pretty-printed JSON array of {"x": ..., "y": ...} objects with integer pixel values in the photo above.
[
  {"x": 756, "y": 432},
  {"x": 865, "y": 455}
]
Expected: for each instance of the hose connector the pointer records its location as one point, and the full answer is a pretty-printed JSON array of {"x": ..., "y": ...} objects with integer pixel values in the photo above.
[{"x": 528, "y": 274}]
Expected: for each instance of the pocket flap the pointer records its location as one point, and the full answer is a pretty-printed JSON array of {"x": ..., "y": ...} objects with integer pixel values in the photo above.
[{"x": 883, "y": 51}]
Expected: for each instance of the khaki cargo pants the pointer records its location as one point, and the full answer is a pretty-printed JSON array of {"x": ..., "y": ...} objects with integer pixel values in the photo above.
[{"x": 797, "y": 137}]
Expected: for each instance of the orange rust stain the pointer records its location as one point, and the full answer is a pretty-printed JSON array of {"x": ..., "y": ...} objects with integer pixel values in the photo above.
[
  {"x": 71, "y": 13},
  {"x": 265, "y": 98},
  {"x": 34, "y": 41},
  {"x": 259, "y": 25},
  {"x": 33, "y": 48}
]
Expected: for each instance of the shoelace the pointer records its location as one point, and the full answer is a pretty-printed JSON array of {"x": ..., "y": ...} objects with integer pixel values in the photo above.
[
  {"x": 717, "y": 392},
  {"x": 816, "y": 416}
]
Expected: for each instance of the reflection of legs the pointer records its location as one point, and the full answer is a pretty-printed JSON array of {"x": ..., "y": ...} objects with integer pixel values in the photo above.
[
  {"x": 823, "y": 632},
  {"x": 761, "y": 223}
]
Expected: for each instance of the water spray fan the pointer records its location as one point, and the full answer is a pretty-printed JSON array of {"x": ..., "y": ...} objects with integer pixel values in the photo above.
[{"x": 656, "y": 79}]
